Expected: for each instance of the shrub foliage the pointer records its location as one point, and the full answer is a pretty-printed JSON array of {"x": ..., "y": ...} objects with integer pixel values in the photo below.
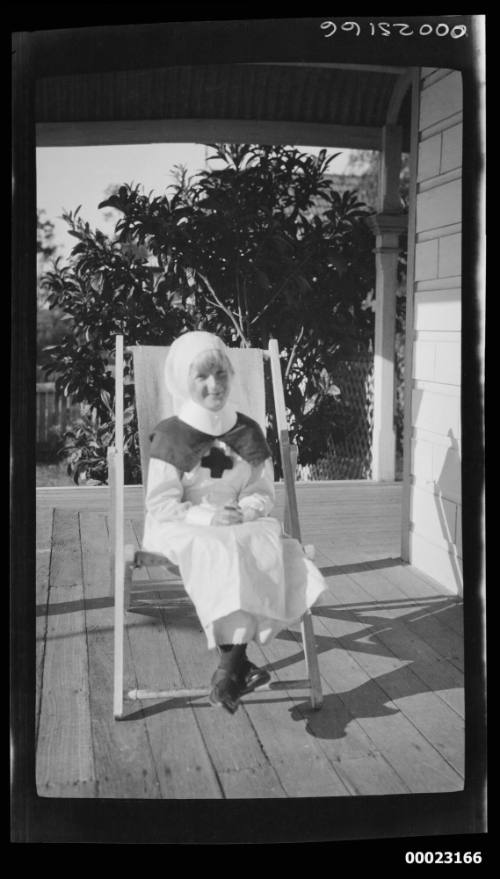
[{"x": 241, "y": 249}]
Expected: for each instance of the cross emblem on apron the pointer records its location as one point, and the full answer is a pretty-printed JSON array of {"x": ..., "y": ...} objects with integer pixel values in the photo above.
[{"x": 217, "y": 461}]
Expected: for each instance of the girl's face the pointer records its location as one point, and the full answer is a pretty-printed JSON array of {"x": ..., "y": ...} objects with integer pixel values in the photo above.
[{"x": 209, "y": 385}]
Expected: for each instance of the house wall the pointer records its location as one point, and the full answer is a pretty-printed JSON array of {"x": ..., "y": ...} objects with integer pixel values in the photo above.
[{"x": 435, "y": 508}]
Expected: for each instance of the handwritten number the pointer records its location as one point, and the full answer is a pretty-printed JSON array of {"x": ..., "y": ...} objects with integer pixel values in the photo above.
[
  {"x": 384, "y": 28},
  {"x": 350, "y": 26},
  {"x": 326, "y": 24},
  {"x": 405, "y": 30}
]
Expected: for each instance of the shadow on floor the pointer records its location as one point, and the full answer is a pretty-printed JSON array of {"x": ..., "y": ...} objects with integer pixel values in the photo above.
[
  {"x": 355, "y": 567},
  {"x": 422, "y": 668}
]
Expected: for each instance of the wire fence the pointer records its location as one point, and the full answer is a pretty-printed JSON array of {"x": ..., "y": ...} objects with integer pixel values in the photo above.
[{"x": 349, "y": 453}]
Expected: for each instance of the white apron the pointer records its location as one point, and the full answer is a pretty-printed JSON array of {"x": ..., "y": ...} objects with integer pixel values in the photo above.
[{"x": 247, "y": 567}]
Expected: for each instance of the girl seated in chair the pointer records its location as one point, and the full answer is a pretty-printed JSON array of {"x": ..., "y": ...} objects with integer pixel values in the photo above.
[{"x": 210, "y": 492}]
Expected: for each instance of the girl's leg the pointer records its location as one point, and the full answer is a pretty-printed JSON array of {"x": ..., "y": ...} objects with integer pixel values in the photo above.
[
  {"x": 226, "y": 680},
  {"x": 235, "y": 674}
]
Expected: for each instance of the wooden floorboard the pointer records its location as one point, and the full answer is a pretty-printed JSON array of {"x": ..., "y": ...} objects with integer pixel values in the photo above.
[
  {"x": 426, "y": 687},
  {"x": 183, "y": 763},
  {"x": 337, "y": 735},
  {"x": 123, "y": 758},
  {"x": 319, "y": 771},
  {"x": 390, "y": 626},
  {"x": 390, "y": 652},
  {"x": 242, "y": 767},
  {"x": 419, "y": 628},
  {"x": 43, "y": 550},
  {"x": 425, "y": 624},
  {"x": 65, "y": 761},
  {"x": 363, "y": 690},
  {"x": 299, "y": 759},
  {"x": 415, "y": 583},
  {"x": 387, "y": 583}
]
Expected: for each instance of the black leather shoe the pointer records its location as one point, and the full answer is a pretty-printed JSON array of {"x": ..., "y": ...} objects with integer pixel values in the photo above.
[
  {"x": 253, "y": 677},
  {"x": 226, "y": 690}
]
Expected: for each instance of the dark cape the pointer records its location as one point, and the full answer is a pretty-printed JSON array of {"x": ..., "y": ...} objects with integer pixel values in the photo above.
[{"x": 179, "y": 444}]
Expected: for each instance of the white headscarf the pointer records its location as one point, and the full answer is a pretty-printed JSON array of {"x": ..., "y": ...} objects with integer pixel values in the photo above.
[{"x": 182, "y": 353}]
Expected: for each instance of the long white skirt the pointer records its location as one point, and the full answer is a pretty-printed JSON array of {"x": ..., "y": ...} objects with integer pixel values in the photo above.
[{"x": 247, "y": 568}]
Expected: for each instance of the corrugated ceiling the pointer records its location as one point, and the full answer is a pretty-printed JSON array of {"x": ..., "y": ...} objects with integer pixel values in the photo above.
[{"x": 268, "y": 92}]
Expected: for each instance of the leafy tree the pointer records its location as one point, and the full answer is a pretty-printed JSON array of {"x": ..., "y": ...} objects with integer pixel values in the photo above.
[
  {"x": 51, "y": 325},
  {"x": 106, "y": 290},
  {"x": 239, "y": 250},
  {"x": 45, "y": 243}
]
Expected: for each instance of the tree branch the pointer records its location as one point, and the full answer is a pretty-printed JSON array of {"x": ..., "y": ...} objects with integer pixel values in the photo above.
[
  {"x": 280, "y": 289},
  {"x": 294, "y": 351},
  {"x": 216, "y": 301}
]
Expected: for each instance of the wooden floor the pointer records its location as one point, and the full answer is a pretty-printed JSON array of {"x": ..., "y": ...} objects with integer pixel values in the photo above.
[{"x": 390, "y": 652}]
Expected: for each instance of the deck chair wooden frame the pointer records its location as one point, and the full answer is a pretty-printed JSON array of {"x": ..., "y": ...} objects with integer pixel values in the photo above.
[{"x": 125, "y": 559}]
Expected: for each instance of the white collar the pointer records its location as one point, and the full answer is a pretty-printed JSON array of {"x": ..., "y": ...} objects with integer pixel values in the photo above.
[{"x": 213, "y": 423}]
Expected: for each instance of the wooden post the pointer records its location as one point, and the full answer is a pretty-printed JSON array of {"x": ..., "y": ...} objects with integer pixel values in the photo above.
[
  {"x": 307, "y": 630},
  {"x": 384, "y": 441},
  {"x": 389, "y": 200},
  {"x": 387, "y": 226},
  {"x": 118, "y": 515},
  {"x": 410, "y": 317}
]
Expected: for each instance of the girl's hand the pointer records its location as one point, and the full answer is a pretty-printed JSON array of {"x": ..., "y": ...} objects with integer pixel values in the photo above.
[{"x": 230, "y": 514}]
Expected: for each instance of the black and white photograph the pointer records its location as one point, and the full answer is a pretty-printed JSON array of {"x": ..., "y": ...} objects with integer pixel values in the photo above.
[{"x": 248, "y": 591}]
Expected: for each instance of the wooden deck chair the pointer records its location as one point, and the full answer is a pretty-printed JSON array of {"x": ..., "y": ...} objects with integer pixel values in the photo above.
[{"x": 153, "y": 404}]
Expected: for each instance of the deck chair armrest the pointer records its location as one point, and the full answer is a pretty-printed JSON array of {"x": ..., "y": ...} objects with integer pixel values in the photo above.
[{"x": 144, "y": 558}]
